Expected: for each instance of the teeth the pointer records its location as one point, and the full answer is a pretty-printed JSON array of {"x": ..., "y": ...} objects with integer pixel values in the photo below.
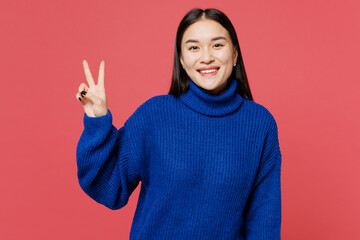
[{"x": 208, "y": 71}]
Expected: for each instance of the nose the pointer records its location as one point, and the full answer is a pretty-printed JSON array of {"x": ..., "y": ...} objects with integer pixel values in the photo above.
[{"x": 206, "y": 56}]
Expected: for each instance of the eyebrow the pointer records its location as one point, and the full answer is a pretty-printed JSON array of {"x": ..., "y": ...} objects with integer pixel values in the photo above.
[{"x": 196, "y": 41}]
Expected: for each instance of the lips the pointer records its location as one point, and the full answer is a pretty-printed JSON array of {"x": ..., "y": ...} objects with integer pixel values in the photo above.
[{"x": 206, "y": 70}]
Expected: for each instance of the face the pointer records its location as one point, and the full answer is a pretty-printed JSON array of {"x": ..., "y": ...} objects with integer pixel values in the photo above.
[{"x": 208, "y": 55}]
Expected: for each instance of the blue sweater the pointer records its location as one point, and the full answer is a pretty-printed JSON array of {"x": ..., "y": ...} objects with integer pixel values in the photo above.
[{"x": 209, "y": 166}]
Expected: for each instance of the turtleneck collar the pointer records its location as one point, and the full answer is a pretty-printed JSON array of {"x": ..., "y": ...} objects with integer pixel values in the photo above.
[{"x": 209, "y": 104}]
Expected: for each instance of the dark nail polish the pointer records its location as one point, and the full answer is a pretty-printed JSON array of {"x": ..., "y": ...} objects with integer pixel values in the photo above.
[
  {"x": 79, "y": 99},
  {"x": 83, "y": 93}
]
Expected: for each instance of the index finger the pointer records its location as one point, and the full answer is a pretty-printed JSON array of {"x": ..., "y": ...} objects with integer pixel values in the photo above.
[
  {"x": 101, "y": 74},
  {"x": 88, "y": 75}
]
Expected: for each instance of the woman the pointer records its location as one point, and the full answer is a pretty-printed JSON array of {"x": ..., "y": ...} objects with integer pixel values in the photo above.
[{"x": 207, "y": 155}]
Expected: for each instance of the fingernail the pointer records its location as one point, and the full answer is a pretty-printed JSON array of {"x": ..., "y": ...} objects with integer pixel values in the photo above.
[
  {"x": 83, "y": 93},
  {"x": 79, "y": 99}
]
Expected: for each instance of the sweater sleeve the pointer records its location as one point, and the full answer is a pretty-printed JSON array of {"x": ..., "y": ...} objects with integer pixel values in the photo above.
[
  {"x": 108, "y": 168},
  {"x": 262, "y": 215}
]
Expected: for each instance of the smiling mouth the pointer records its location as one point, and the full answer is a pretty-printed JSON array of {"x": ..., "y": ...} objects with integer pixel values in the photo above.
[{"x": 208, "y": 71}]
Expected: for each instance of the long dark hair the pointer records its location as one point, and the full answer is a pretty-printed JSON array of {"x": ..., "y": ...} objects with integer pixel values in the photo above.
[{"x": 180, "y": 79}]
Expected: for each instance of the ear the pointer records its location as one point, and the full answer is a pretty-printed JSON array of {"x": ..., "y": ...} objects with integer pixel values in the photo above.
[
  {"x": 181, "y": 60},
  {"x": 235, "y": 54}
]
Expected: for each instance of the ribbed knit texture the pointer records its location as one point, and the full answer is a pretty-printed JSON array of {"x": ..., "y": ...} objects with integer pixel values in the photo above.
[{"x": 209, "y": 166}]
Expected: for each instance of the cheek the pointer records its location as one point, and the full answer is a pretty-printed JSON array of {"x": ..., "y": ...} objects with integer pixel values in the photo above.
[
  {"x": 225, "y": 57},
  {"x": 189, "y": 59}
]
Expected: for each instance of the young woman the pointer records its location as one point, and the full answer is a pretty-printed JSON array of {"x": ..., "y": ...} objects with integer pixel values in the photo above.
[{"x": 207, "y": 155}]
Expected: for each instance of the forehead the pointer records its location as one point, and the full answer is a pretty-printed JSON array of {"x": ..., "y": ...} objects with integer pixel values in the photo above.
[{"x": 204, "y": 30}]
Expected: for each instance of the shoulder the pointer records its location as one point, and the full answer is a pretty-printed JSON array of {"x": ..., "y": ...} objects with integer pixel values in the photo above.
[
  {"x": 156, "y": 103},
  {"x": 259, "y": 113},
  {"x": 159, "y": 100},
  {"x": 152, "y": 106}
]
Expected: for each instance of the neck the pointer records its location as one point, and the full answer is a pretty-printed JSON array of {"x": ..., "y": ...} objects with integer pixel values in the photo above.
[{"x": 210, "y": 104}]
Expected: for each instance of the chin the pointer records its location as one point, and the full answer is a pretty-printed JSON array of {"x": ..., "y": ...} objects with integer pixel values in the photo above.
[
  {"x": 212, "y": 89},
  {"x": 210, "y": 84}
]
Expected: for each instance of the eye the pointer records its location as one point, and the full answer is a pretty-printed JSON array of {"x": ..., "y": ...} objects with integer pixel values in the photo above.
[
  {"x": 218, "y": 45},
  {"x": 193, "y": 48}
]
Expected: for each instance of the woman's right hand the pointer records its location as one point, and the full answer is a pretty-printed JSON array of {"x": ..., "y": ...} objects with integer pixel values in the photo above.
[{"x": 93, "y": 98}]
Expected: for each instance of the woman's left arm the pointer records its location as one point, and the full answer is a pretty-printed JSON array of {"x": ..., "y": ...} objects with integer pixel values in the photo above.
[{"x": 262, "y": 215}]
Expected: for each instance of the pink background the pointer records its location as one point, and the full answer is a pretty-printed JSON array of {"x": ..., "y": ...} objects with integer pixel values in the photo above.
[{"x": 302, "y": 61}]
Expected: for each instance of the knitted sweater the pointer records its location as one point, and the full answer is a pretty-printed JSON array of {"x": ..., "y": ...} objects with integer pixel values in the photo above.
[{"x": 209, "y": 166}]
